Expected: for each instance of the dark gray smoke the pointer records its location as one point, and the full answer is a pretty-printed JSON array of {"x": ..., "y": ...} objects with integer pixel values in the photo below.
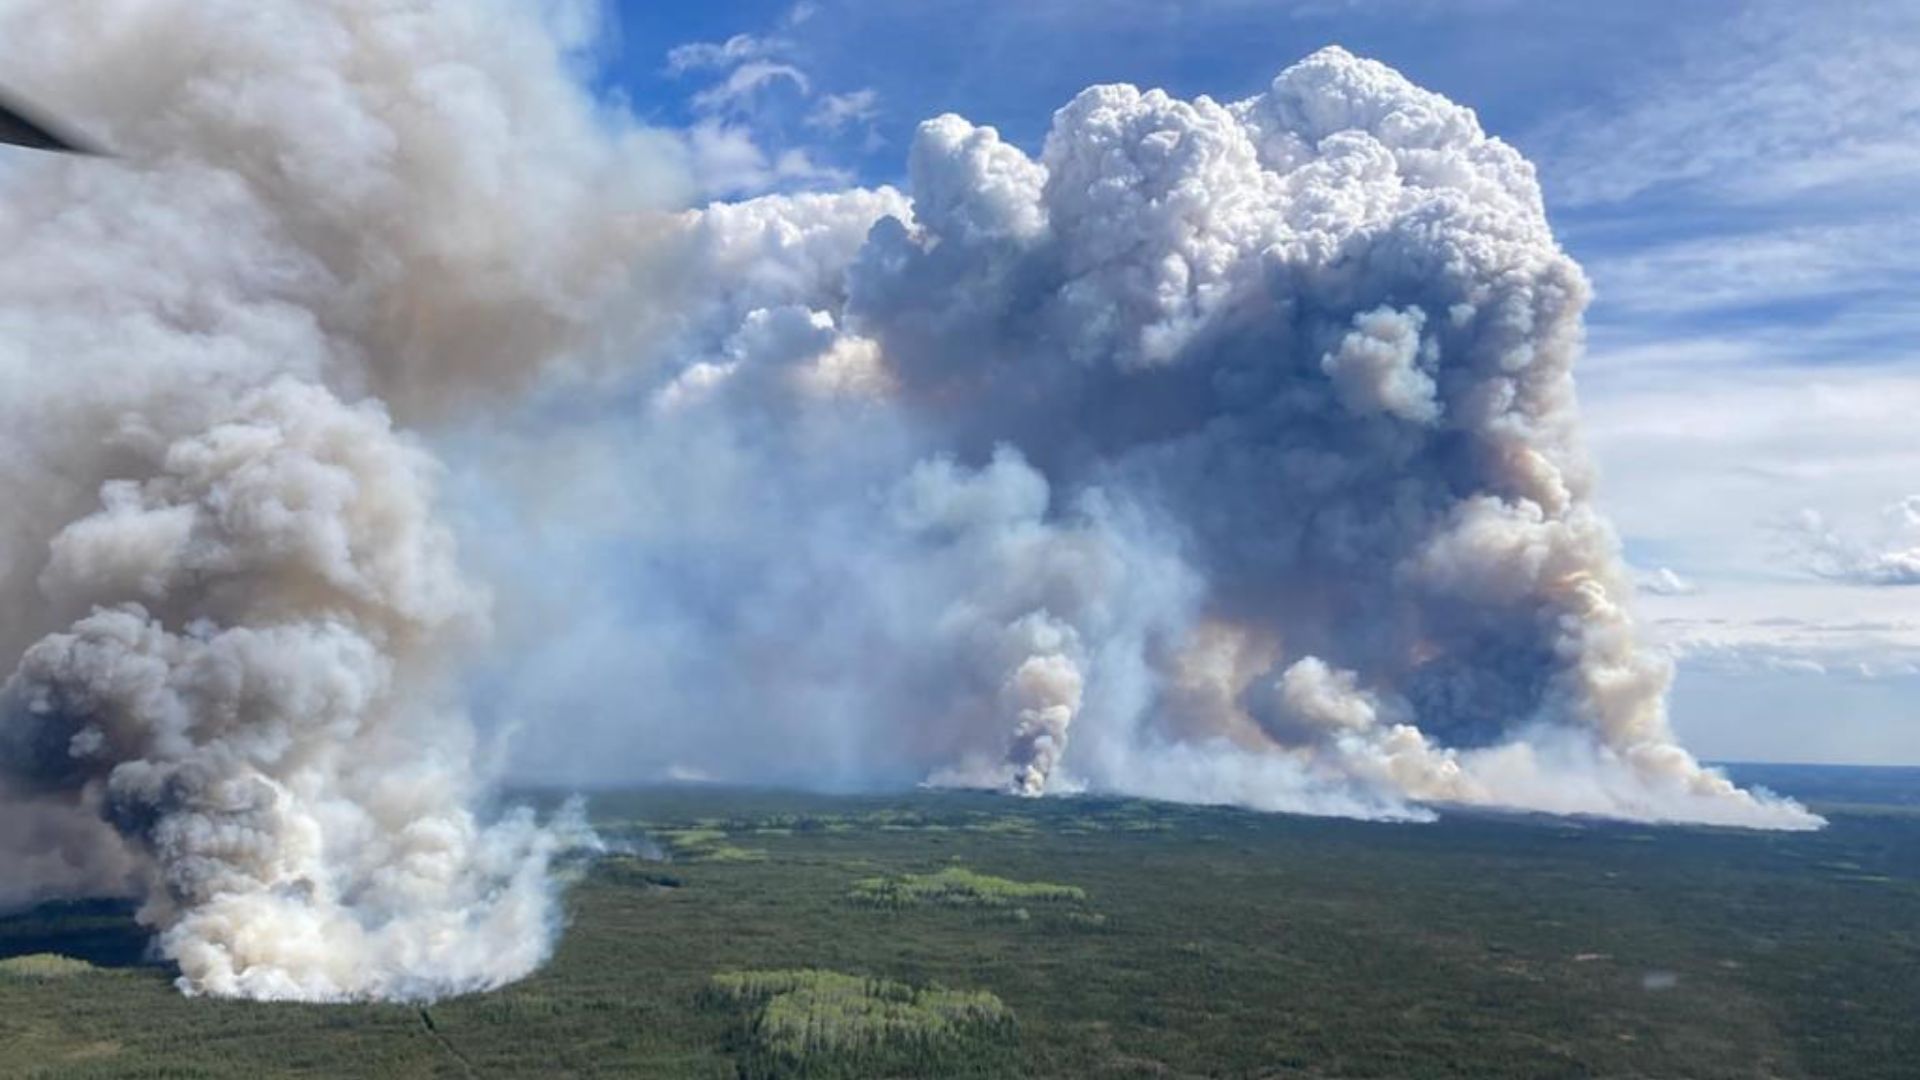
[
  {"x": 1223, "y": 452},
  {"x": 231, "y": 611}
]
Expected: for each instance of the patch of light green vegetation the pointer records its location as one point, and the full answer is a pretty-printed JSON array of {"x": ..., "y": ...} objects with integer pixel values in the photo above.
[
  {"x": 957, "y": 886},
  {"x": 1008, "y": 825},
  {"x": 43, "y": 966},
  {"x": 707, "y": 844},
  {"x": 689, "y": 839},
  {"x": 725, "y": 853},
  {"x": 807, "y": 1013}
]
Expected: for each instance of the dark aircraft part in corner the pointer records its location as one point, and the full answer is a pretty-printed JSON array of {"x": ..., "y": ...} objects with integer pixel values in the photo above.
[{"x": 22, "y": 128}]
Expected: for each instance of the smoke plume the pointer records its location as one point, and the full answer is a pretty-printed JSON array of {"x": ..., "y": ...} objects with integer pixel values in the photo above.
[
  {"x": 1222, "y": 452},
  {"x": 234, "y": 610}
]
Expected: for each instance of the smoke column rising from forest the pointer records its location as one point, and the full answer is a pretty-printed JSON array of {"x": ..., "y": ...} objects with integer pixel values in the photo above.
[
  {"x": 1220, "y": 452},
  {"x": 232, "y": 610}
]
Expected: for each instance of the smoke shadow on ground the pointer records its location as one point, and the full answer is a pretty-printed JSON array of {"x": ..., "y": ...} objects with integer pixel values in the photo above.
[{"x": 101, "y": 932}]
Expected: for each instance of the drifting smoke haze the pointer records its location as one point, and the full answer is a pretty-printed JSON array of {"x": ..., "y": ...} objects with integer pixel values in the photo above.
[{"x": 1222, "y": 453}]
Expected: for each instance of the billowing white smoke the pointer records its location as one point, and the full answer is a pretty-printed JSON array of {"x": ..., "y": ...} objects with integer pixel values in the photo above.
[
  {"x": 1223, "y": 452},
  {"x": 233, "y": 610}
]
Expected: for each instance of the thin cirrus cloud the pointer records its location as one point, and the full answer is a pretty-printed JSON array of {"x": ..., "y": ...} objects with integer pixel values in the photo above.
[
  {"x": 837, "y": 111},
  {"x": 709, "y": 55},
  {"x": 1763, "y": 174},
  {"x": 1777, "y": 101},
  {"x": 744, "y": 136},
  {"x": 748, "y": 79}
]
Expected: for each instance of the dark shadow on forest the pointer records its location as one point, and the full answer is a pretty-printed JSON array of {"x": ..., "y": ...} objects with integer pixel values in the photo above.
[{"x": 101, "y": 932}]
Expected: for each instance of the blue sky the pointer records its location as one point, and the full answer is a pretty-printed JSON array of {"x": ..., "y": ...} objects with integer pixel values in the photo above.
[
  {"x": 1736, "y": 177},
  {"x": 1011, "y": 63}
]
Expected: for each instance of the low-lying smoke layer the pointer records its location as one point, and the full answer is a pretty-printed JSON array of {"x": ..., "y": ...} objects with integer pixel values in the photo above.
[
  {"x": 1223, "y": 452},
  {"x": 233, "y": 609}
]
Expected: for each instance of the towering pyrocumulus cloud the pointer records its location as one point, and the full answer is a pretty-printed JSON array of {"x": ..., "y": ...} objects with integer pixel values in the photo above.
[
  {"x": 1221, "y": 452},
  {"x": 229, "y": 605}
]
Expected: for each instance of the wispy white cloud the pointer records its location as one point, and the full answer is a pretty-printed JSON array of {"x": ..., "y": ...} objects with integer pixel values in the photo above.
[
  {"x": 758, "y": 97},
  {"x": 1757, "y": 187},
  {"x": 1780, "y": 99},
  {"x": 836, "y": 111},
  {"x": 1840, "y": 264},
  {"x": 721, "y": 55},
  {"x": 727, "y": 160},
  {"x": 1663, "y": 581},
  {"x": 743, "y": 82},
  {"x": 1704, "y": 442},
  {"x": 1706, "y": 445},
  {"x": 1887, "y": 553},
  {"x": 1742, "y": 211}
]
